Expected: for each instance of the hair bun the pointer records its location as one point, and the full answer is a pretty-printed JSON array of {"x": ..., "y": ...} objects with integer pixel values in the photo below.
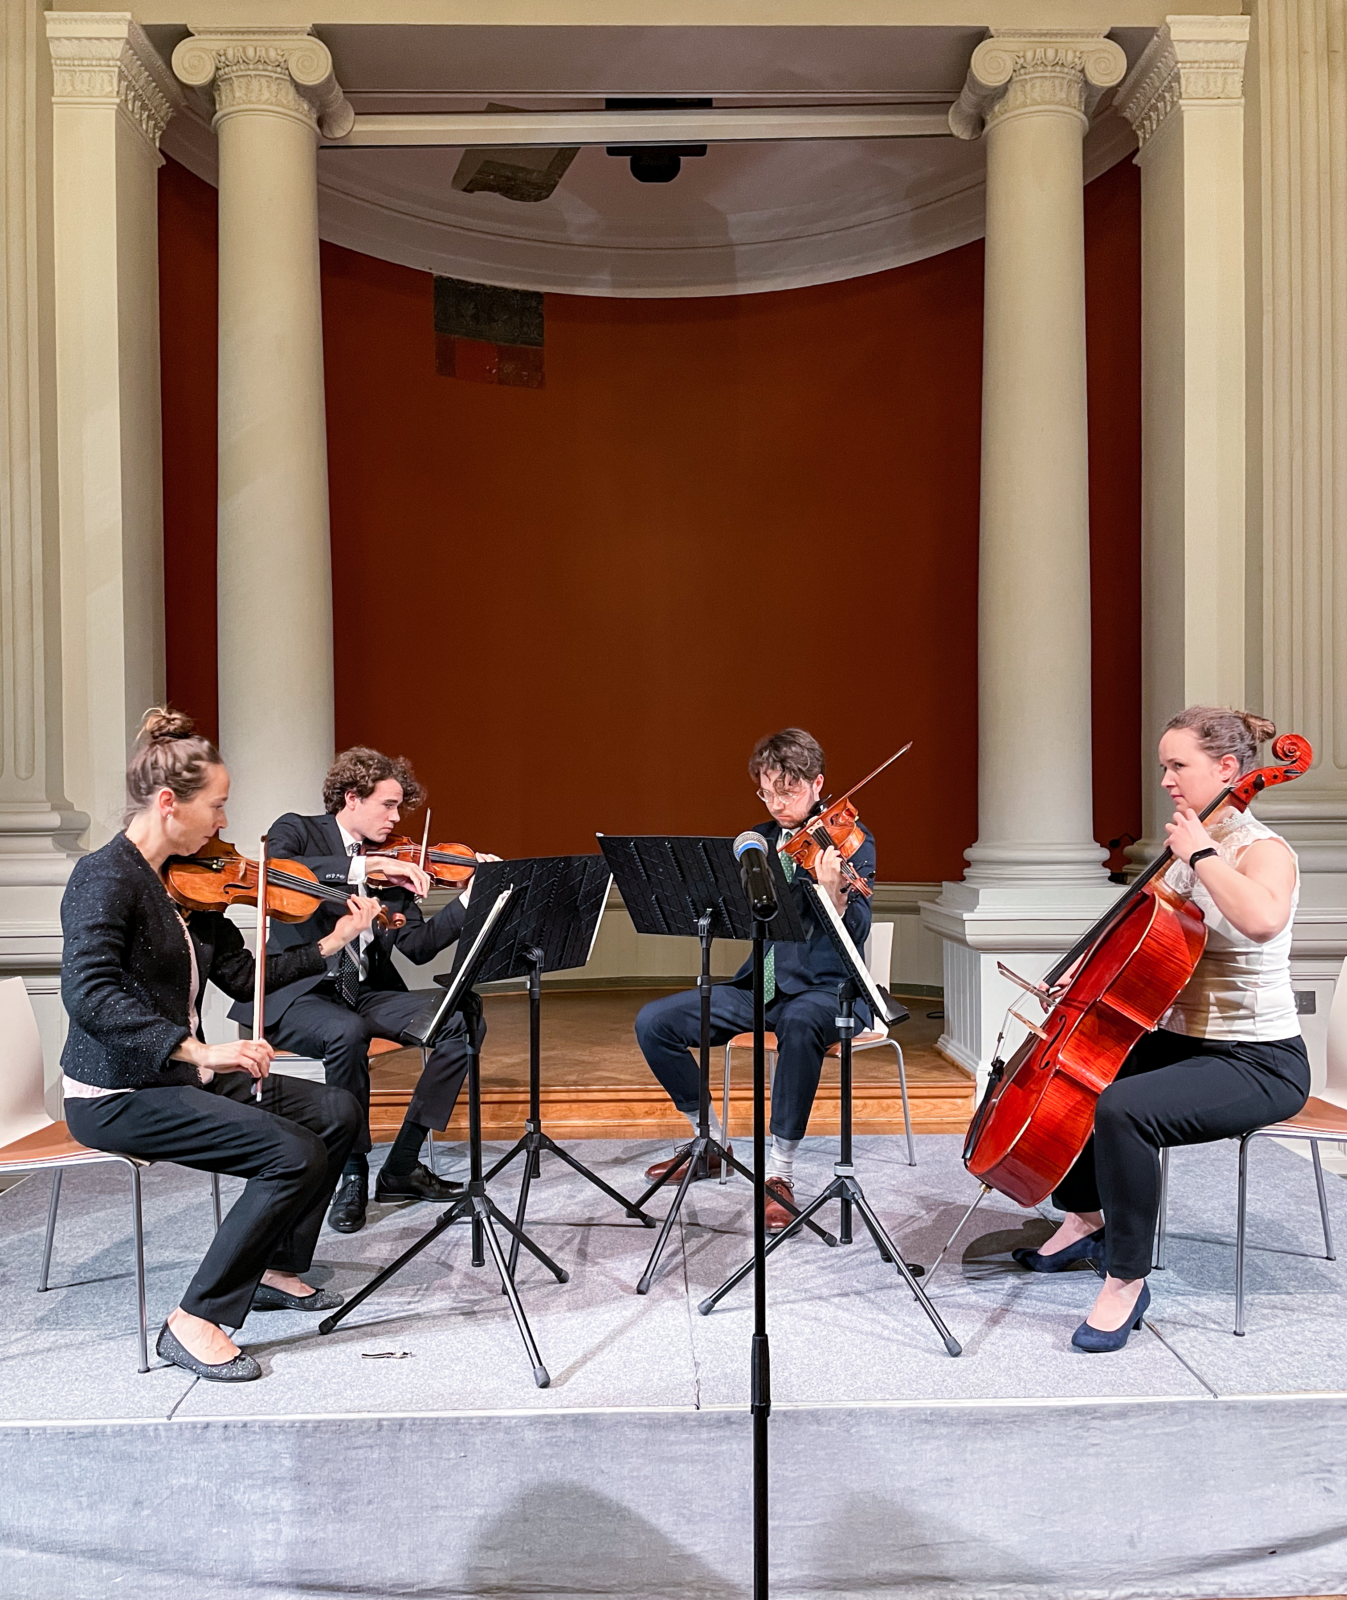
[
  {"x": 161, "y": 725},
  {"x": 1259, "y": 727}
]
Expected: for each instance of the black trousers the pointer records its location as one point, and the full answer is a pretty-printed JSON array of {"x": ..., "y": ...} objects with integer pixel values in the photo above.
[
  {"x": 668, "y": 1029},
  {"x": 1173, "y": 1090},
  {"x": 290, "y": 1148},
  {"x": 321, "y": 1024}
]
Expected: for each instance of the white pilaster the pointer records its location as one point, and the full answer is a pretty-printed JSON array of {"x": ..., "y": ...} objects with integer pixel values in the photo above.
[
  {"x": 39, "y": 829},
  {"x": 112, "y": 99},
  {"x": 1035, "y": 875},
  {"x": 1298, "y": 335},
  {"x": 1184, "y": 99},
  {"x": 273, "y": 87}
]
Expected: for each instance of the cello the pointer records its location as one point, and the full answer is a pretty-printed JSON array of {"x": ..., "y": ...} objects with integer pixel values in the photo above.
[{"x": 1038, "y": 1109}]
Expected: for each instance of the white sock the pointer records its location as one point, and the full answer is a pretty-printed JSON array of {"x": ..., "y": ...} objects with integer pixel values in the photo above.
[
  {"x": 713, "y": 1123},
  {"x": 781, "y": 1161}
]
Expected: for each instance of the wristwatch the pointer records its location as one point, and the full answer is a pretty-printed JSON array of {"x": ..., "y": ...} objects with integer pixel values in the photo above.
[{"x": 1201, "y": 855}]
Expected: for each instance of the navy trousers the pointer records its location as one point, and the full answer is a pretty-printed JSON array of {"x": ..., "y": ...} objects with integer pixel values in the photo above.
[{"x": 669, "y": 1033}]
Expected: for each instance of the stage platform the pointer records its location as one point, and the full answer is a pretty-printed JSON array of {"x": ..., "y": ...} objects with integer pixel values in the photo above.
[{"x": 1191, "y": 1464}]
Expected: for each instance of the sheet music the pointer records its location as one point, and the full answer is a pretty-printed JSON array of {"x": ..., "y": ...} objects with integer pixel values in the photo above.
[{"x": 846, "y": 947}]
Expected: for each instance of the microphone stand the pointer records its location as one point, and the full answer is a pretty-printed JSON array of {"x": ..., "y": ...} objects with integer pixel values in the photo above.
[{"x": 760, "y": 1380}]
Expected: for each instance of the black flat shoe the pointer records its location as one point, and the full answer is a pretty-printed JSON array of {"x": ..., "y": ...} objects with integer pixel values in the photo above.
[
  {"x": 1097, "y": 1340},
  {"x": 418, "y": 1184},
  {"x": 1091, "y": 1248},
  {"x": 348, "y": 1209},
  {"x": 242, "y": 1369},
  {"x": 265, "y": 1298}
]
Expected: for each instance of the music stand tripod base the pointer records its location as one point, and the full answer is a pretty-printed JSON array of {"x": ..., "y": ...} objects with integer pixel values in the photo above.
[
  {"x": 476, "y": 1205},
  {"x": 844, "y": 1186}
]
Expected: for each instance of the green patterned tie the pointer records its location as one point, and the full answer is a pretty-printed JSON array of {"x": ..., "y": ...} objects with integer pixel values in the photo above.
[{"x": 769, "y": 960}]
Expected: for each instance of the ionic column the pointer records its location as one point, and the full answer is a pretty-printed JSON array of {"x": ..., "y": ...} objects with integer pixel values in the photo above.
[
  {"x": 1185, "y": 100},
  {"x": 39, "y": 829},
  {"x": 112, "y": 98},
  {"x": 273, "y": 87},
  {"x": 1035, "y": 875},
  {"x": 1298, "y": 406}
]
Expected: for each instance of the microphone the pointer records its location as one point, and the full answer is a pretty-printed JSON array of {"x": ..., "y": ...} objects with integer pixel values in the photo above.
[{"x": 755, "y": 873}]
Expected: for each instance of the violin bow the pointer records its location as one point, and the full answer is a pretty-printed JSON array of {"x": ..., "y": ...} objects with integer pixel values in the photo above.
[
  {"x": 260, "y": 975},
  {"x": 425, "y": 839},
  {"x": 824, "y": 804}
]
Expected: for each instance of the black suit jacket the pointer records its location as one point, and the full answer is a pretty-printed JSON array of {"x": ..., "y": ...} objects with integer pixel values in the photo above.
[
  {"x": 816, "y": 964},
  {"x": 317, "y": 842},
  {"x": 126, "y": 974}
]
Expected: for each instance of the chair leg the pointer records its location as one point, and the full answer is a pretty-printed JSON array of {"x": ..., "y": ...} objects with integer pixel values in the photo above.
[
  {"x": 430, "y": 1152},
  {"x": 215, "y": 1199},
  {"x": 1323, "y": 1201},
  {"x": 51, "y": 1228},
  {"x": 907, "y": 1115},
  {"x": 140, "y": 1265},
  {"x": 725, "y": 1115},
  {"x": 1239, "y": 1234},
  {"x": 1163, "y": 1217}
]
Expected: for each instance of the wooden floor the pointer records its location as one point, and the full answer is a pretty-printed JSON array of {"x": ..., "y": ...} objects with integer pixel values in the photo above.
[{"x": 596, "y": 1085}]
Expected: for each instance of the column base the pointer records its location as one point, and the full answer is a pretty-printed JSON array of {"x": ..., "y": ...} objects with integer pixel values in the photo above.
[
  {"x": 37, "y": 850},
  {"x": 1026, "y": 926}
]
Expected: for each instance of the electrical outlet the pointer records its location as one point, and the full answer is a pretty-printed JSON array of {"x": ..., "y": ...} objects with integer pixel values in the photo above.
[{"x": 1305, "y": 1006}]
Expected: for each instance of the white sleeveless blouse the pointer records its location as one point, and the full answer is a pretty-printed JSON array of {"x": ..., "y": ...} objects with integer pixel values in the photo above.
[{"x": 1240, "y": 989}]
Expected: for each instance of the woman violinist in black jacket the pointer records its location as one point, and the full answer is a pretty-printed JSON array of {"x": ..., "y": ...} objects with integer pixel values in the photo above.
[{"x": 140, "y": 1079}]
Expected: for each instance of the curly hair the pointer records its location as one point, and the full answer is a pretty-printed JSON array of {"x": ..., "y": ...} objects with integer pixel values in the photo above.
[
  {"x": 1221, "y": 731},
  {"x": 363, "y": 769},
  {"x": 168, "y": 754},
  {"x": 792, "y": 752}
]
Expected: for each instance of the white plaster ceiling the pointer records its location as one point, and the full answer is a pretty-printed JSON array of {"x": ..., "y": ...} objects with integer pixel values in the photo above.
[{"x": 743, "y": 219}]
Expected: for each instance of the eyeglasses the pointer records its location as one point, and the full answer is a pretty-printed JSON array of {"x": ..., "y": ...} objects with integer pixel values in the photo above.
[{"x": 783, "y": 789}]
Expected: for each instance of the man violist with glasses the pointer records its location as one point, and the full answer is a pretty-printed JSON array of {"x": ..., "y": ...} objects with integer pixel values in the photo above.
[{"x": 801, "y": 979}]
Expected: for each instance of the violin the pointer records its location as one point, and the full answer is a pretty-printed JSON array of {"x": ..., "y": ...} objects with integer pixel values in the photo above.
[
  {"x": 1038, "y": 1111},
  {"x": 835, "y": 825},
  {"x": 446, "y": 863},
  {"x": 218, "y": 876}
]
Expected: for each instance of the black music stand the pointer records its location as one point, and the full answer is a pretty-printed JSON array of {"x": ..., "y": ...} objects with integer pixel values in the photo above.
[
  {"x": 483, "y": 929},
  {"x": 844, "y": 1187},
  {"x": 550, "y": 925},
  {"x": 689, "y": 888}
]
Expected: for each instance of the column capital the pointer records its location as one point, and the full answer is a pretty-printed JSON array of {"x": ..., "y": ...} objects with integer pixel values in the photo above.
[
  {"x": 285, "y": 70},
  {"x": 1190, "y": 59},
  {"x": 103, "y": 58},
  {"x": 1035, "y": 69}
]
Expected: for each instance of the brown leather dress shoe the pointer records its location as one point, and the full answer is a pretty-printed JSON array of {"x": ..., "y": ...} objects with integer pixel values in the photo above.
[
  {"x": 708, "y": 1166},
  {"x": 776, "y": 1216}
]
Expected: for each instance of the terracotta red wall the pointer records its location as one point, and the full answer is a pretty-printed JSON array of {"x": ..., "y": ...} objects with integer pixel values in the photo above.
[{"x": 576, "y": 608}]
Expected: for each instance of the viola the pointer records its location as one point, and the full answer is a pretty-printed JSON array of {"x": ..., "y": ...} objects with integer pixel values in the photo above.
[
  {"x": 1130, "y": 967},
  {"x": 218, "y": 876},
  {"x": 835, "y": 825},
  {"x": 446, "y": 863}
]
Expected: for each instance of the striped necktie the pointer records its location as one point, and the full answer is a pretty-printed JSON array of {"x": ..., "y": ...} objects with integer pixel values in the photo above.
[
  {"x": 348, "y": 970},
  {"x": 769, "y": 960}
]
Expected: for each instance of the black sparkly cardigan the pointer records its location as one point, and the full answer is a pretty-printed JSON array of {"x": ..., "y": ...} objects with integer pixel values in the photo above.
[{"x": 125, "y": 971}]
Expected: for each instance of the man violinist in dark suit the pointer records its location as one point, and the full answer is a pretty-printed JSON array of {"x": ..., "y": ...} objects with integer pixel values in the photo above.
[
  {"x": 362, "y": 996},
  {"x": 801, "y": 980}
]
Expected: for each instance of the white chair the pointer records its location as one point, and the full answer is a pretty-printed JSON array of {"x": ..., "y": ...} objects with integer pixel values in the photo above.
[
  {"x": 1322, "y": 1117},
  {"x": 31, "y": 1141},
  {"x": 878, "y": 959}
]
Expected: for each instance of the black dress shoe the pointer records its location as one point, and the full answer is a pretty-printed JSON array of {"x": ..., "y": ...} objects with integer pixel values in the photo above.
[
  {"x": 348, "y": 1208},
  {"x": 418, "y": 1184},
  {"x": 265, "y": 1298},
  {"x": 242, "y": 1369}
]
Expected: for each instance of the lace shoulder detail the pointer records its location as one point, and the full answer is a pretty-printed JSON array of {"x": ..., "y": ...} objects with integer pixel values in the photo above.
[{"x": 1232, "y": 839}]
